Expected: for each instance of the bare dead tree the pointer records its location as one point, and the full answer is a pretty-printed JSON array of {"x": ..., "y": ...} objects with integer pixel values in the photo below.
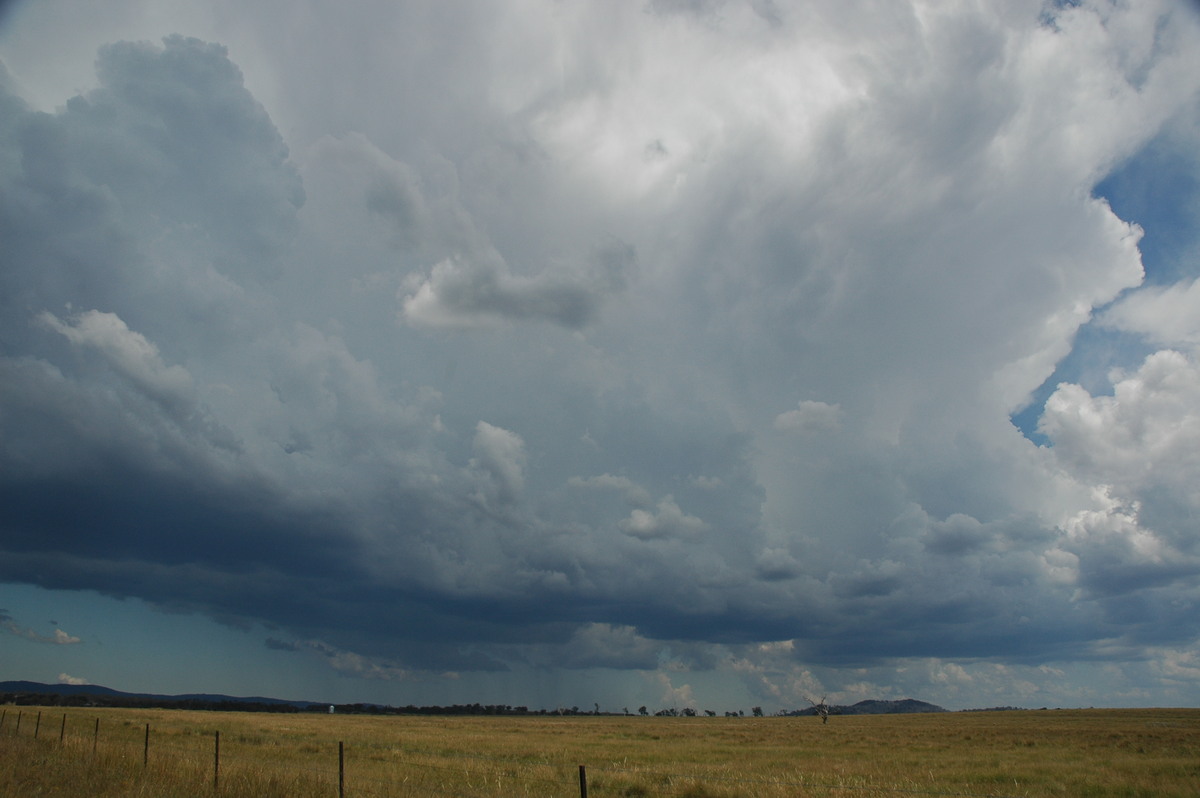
[{"x": 821, "y": 707}]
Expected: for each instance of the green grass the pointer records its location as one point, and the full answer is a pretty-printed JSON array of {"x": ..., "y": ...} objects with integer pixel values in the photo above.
[{"x": 1035, "y": 753}]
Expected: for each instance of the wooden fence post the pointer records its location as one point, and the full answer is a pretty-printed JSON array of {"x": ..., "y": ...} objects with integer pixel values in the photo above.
[
  {"x": 62, "y": 732},
  {"x": 216, "y": 758},
  {"x": 3, "y": 715},
  {"x": 95, "y": 735},
  {"x": 19, "y": 714},
  {"x": 37, "y": 725},
  {"x": 582, "y": 782},
  {"x": 341, "y": 770},
  {"x": 146, "y": 747}
]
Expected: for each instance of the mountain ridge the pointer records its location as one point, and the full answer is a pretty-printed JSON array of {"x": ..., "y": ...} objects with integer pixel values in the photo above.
[
  {"x": 15, "y": 691},
  {"x": 40, "y": 688},
  {"x": 877, "y": 706}
]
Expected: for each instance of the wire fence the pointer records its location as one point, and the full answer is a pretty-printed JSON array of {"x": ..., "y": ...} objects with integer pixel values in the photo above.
[{"x": 214, "y": 761}]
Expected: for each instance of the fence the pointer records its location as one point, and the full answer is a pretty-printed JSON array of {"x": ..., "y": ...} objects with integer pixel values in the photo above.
[{"x": 326, "y": 770}]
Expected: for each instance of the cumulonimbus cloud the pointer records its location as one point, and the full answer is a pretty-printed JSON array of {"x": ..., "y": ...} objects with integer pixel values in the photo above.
[{"x": 209, "y": 401}]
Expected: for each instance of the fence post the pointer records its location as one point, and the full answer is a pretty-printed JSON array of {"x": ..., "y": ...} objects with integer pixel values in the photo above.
[
  {"x": 216, "y": 758},
  {"x": 582, "y": 782},
  {"x": 37, "y": 725},
  {"x": 3, "y": 715},
  {"x": 19, "y": 714},
  {"x": 62, "y": 732},
  {"x": 341, "y": 770},
  {"x": 146, "y": 747},
  {"x": 95, "y": 735}
]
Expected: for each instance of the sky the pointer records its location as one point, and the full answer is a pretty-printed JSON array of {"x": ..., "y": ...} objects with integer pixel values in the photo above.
[{"x": 551, "y": 353}]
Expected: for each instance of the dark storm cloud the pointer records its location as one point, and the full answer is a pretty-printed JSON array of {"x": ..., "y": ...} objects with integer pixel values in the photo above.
[
  {"x": 166, "y": 178},
  {"x": 493, "y": 389},
  {"x": 139, "y": 199}
]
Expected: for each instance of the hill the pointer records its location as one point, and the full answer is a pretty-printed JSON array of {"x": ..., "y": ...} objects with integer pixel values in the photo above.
[
  {"x": 904, "y": 706},
  {"x": 24, "y": 692},
  {"x": 873, "y": 706}
]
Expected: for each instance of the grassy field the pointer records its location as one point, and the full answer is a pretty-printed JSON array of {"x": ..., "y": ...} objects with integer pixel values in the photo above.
[{"x": 1153, "y": 752}]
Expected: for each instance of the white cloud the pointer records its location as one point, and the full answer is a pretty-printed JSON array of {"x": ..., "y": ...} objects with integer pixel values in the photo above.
[
  {"x": 63, "y": 639},
  {"x": 1183, "y": 666},
  {"x": 1168, "y": 315},
  {"x": 129, "y": 352},
  {"x": 665, "y": 522},
  {"x": 500, "y": 454},
  {"x": 59, "y": 638},
  {"x": 671, "y": 696},
  {"x": 64, "y": 678},
  {"x": 1143, "y": 440},
  {"x": 1115, "y": 554},
  {"x": 810, "y": 416}
]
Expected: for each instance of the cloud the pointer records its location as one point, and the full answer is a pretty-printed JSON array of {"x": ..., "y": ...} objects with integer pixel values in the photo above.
[
  {"x": 665, "y": 521},
  {"x": 64, "y": 678},
  {"x": 674, "y": 697},
  {"x": 1140, "y": 442},
  {"x": 1138, "y": 447},
  {"x": 128, "y": 352},
  {"x": 59, "y": 638},
  {"x": 634, "y": 493},
  {"x": 348, "y": 663},
  {"x": 601, "y": 645},
  {"x": 243, "y": 371},
  {"x": 500, "y": 454},
  {"x": 281, "y": 645},
  {"x": 482, "y": 293},
  {"x": 775, "y": 563},
  {"x": 1116, "y": 555},
  {"x": 810, "y": 417},
  {"x": 1165, "y": 314}
]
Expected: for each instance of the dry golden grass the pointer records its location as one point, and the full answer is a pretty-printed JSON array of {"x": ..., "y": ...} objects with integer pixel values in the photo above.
[{"x": 1035, "y": 753}]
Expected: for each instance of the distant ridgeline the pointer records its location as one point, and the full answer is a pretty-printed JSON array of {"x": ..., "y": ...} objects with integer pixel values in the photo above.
[
  {"x": 90, "y": 695},
  {"x": 24, "y": 693},
  {"x": 93, "y": 695},
  {"x": 905, "y": 706}
]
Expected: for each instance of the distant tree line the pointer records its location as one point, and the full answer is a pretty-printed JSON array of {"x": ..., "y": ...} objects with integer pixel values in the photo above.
[
  {"x": 227, "y": 704},
  {"x": 249, "y": 705}
]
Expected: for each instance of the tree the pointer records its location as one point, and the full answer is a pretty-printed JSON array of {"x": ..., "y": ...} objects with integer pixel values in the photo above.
[
  {"x": 756, "y": 712},
  {"x": 822, "y": 709},
  {"x": 643, "y": 711}
]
